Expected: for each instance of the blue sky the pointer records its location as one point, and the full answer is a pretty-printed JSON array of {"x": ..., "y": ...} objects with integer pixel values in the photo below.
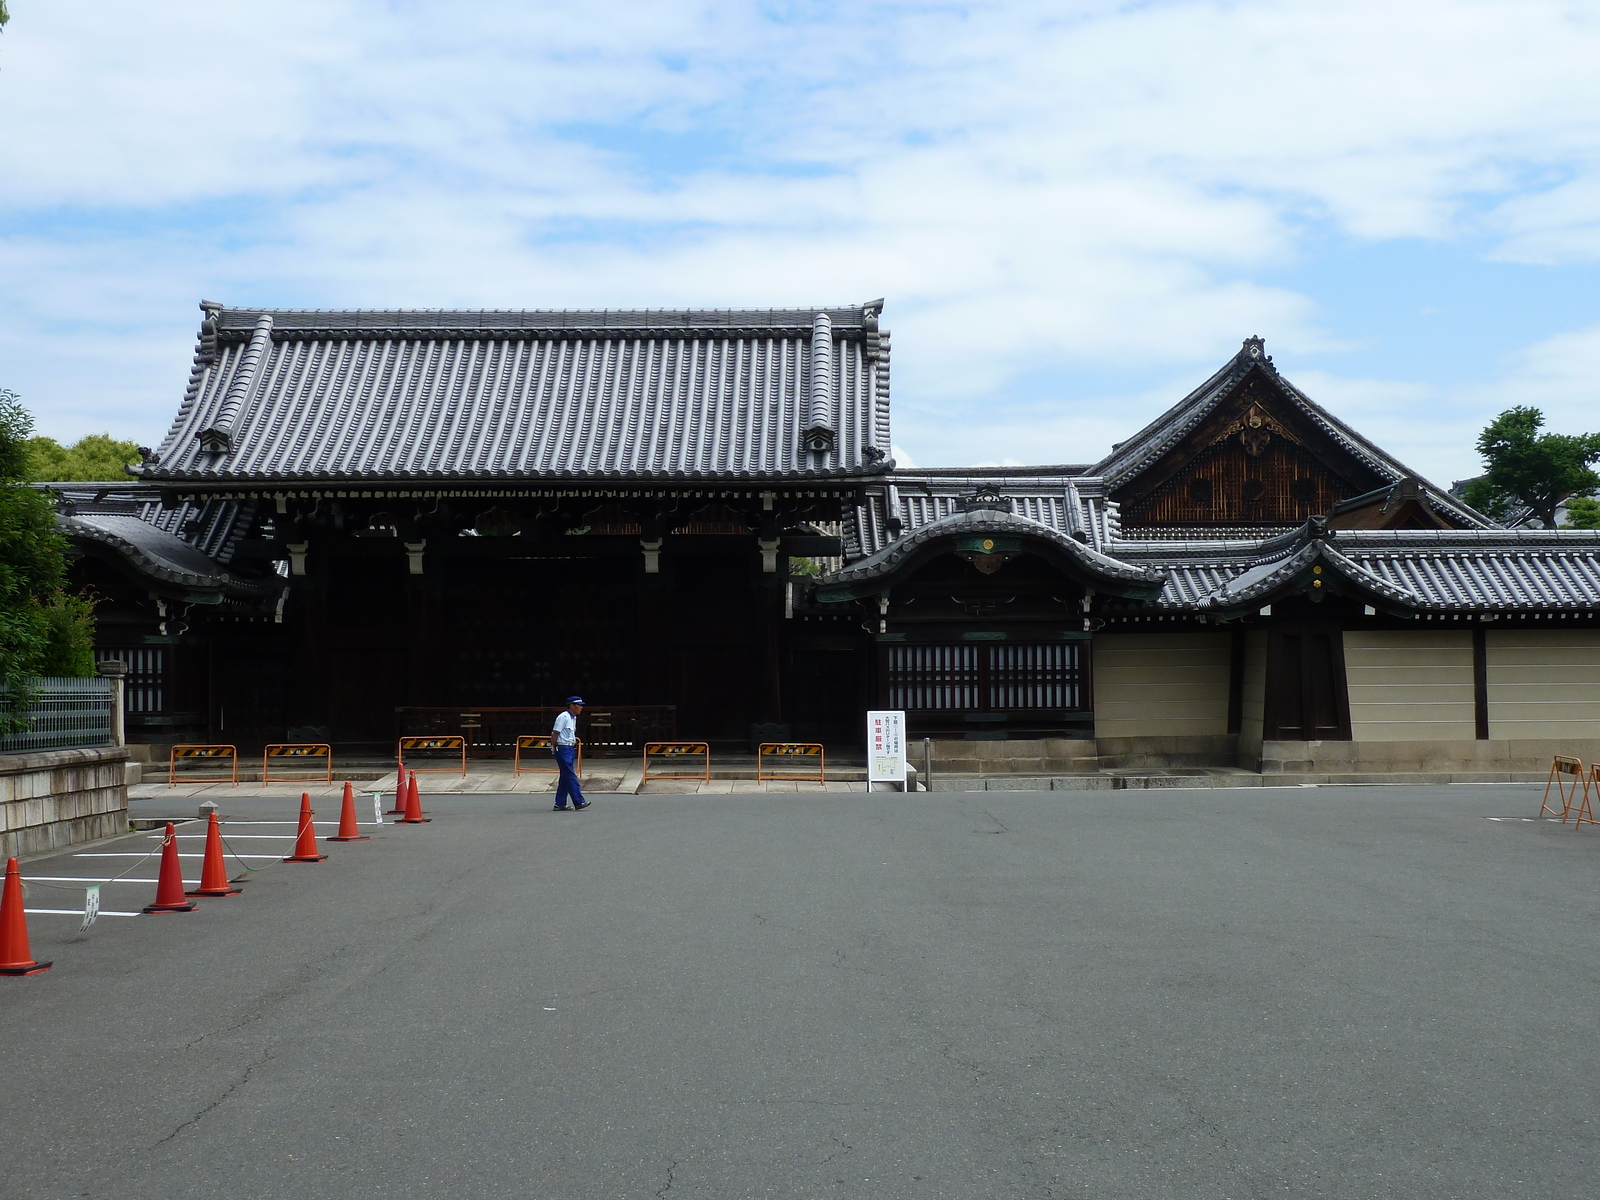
[{"x": 1076, "y": 211}]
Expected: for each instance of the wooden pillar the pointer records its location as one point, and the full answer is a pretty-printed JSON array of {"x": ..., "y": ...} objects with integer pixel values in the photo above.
[
  {"x": 420, "y": 651},
  {"x": 655, "y": 652},
  {"x": 1236, "y": 681},
  {"x": 1480, "y": 682},
  {"x": 308, "y": 677},
  {"x": 771, "y": 601}
]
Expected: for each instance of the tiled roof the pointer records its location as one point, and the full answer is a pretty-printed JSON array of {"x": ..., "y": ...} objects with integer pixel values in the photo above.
[
  {"x": 1438, "y": 570},
  {"x": 1427, "y": 570},
  {"x": 214, "y": 527},
  {"x": 167, "y": 558},
  {"x": 1532, "y": 569},
  {"x": 906, "y": 501},
  {"x": 1107, "y": 572},
  {"x": 284, "y": 396}
]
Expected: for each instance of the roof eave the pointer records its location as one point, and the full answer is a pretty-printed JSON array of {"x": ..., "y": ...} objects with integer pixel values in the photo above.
[{"x": 270, "y": 483}]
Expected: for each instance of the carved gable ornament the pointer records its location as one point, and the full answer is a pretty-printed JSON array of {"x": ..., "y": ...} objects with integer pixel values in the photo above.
[
  {"x": 988, "y": 554},
  {"x": 1255, "y": 429}
]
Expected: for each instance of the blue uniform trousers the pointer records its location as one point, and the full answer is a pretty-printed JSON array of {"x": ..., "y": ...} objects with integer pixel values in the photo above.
[{"x": 568, "y": 788}]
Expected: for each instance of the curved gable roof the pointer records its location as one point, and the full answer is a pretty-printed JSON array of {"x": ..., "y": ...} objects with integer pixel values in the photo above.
[
  {"x": 1144, "y": 450},
  {"x": 906, "y": 553}
]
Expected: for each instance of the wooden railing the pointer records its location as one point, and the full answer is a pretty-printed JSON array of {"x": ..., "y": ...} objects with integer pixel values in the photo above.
[{"x": 493, "y": 732}]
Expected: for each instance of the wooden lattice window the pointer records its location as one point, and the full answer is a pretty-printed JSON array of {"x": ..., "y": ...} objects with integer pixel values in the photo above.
[
  {"x": 987, "y": 677},
  {"x": 144, "y": 686}
]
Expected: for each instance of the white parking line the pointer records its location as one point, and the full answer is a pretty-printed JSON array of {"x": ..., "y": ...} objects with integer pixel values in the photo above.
[
  {"x": 227, "y": 854},
  {"x": 74, "y": 912},
  {"x": 226, "y": 823},
  {"x": 237, "y": 837},
  {"x": 82, "y": 879}
]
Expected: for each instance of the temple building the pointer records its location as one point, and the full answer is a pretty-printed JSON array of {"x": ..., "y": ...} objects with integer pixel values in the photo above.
[{"x": 367, "y": 524}]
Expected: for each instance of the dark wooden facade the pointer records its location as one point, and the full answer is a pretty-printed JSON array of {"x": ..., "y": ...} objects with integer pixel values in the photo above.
[
  {"x": 550, "y": 597},
  {"x": 1256, "y": 459}
]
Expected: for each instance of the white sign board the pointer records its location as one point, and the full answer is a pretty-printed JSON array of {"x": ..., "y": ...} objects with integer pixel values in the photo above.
[
  {"x": 886, "y": 746},
  {"x": 91, "y": 907}
]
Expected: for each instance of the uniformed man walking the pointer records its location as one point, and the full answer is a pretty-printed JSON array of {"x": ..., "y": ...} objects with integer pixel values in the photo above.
[{"x": 564, "y": 744}]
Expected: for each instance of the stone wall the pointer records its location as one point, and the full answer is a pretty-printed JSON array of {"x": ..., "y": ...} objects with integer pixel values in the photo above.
[{"x": 55, "y": 798}]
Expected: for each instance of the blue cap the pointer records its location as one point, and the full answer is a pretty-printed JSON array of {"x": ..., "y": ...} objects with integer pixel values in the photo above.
[{"x": 574, "y": 699}]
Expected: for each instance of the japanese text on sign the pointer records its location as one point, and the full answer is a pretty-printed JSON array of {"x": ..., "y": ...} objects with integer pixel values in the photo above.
[{"x": 886, "y": 746}]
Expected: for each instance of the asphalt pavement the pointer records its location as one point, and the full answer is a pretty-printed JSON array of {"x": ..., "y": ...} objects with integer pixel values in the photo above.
[{"x": 1341, "y": 992}]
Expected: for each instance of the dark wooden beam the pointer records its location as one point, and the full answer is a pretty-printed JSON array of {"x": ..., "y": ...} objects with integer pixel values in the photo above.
[
  {"x": 1480, "y": 682},
  {"x": 1236, "y": 681}
]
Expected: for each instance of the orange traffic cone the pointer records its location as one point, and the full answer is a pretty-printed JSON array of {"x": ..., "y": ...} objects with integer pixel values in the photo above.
[
  {"x": 169, "y": 884},
  {"x": 15, "y": 957},
  {"x": 213, "y": 875},
  {"x": 413, "y": 805},
  {"x": 399, "y": 809},
  {"x": 348, "y": 830},
  {"x": 305, "y": 844}
]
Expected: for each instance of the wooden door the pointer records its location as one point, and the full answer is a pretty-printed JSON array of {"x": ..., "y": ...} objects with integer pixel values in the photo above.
[
  {"x": 1307, "y": 699},
  {"x": 823, "y": 699}
]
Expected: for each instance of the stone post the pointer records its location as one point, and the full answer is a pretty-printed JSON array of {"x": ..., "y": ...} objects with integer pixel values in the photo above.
[{"x": 115, "y": 670}]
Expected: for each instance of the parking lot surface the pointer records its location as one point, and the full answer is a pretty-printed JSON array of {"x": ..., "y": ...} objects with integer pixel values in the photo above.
[{"x": 1358, "y": 992}]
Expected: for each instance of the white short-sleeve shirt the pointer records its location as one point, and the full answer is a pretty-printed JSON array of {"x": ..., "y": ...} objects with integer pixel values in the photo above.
[{"x": 566, "y": 729}]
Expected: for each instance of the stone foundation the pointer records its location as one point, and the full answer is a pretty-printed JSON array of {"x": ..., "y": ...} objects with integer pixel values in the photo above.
[
  {"x": 55, "y": 798},
  {"x": 1068, "y": 756},
  {"x": 1492, "y": 756},
  {"x": 1522, "y": 757}
]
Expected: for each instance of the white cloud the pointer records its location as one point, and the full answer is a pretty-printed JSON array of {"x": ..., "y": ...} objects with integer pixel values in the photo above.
[{"x": 1040, "y": 189}]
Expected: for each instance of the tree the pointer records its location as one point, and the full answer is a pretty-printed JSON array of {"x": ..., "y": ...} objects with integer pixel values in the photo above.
[
  {"x": 1583, "y": 512},
  {"x": 1529, "y": 469},
  {"x": 96, "y": 457},
  {"x": 43, "y": 628}
]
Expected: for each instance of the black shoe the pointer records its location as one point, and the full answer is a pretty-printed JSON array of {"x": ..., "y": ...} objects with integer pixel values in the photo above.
[
  {"x": 581, "y": 807},
  {"x": 561, "y": 808}
]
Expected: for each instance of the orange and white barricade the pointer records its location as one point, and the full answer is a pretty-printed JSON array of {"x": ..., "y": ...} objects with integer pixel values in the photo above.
[
  {"x": 440, "y": 745},
  {"x": 298, "y": 757},
  {"x": 780, "y": 760},
  {"x": 539, "y": 743},
  {"x": 191, "y": 758},
  {"x": 671, "y": 754}
]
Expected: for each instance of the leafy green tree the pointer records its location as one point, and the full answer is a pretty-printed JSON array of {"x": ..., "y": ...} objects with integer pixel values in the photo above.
[
  {"x": 96, "y": 457},
  {"x": 43, "y": 628},
  {"x": 1529, "y": 469},
  {"x": 1583, "y": 512}
]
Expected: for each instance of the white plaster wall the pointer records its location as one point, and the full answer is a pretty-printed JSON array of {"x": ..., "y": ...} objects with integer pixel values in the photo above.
[
  {"x": 1160, "y": 684},
  {"x": 1410, "y": 685},
  {"x": 1544, "y": 683}
]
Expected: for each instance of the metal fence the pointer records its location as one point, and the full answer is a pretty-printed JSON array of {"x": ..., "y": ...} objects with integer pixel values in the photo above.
[{"x": 66, "y": 714}]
